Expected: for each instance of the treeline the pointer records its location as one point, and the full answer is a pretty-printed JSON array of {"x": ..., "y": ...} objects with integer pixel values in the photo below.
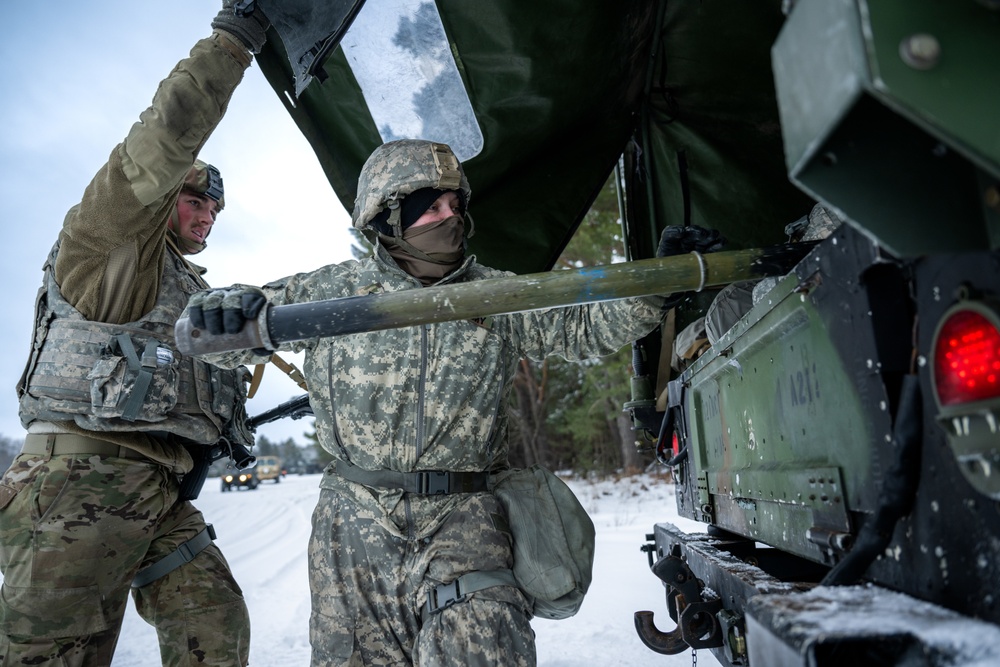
[{"x": 568, "y": 415}]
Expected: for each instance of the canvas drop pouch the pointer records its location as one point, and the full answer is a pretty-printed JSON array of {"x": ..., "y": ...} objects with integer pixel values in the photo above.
[{"x": 553, "y": 539}]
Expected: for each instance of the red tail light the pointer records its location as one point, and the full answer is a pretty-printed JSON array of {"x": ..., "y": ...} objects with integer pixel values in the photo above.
[{"x": 967, "y": 356}]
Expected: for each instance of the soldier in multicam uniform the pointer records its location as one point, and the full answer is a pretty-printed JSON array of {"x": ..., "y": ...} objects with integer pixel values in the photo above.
[
  {"x": 416, "y": 420},
  {"x": 91, "y": 509}
]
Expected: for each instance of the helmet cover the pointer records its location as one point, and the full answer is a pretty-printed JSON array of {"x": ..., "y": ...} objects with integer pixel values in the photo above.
[{"x": 398, "y": 168}]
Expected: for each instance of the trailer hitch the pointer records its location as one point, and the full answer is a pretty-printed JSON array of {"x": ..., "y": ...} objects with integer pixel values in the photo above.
[{"x": 697, "y": 624}]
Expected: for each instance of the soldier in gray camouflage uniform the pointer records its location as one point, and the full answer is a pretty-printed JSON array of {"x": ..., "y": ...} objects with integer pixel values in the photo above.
[
  {"x": 416, "y": 419},
  {"x": 91, "y": 509}
]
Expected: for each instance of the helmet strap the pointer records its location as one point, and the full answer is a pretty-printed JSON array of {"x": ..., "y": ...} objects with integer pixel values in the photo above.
[{"x": 395, "y": 216}]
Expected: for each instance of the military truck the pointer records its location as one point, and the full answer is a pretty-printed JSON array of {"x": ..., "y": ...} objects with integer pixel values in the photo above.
[
  {"x": 835, "y": 428},
  {"x": 269, "y": 468}
]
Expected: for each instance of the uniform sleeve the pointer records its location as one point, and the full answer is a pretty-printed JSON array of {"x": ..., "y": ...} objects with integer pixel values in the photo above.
[
  {"x": 329, "y": 282},
  {"x": 582, "y": 332},
  {"x": 112, "y": 245}
]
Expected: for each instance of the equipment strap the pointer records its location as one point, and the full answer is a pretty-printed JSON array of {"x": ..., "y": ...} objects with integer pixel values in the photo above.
[
  {"x": 143, "y": 369},
  {"x": 444, "y": 595},
  {"x": 258, "y": 373},
  {"x": 288, "y": 369},
  {"x": 424, "y": 482},
  {"x": 291, "y": 371},
  {"x": 185, "y": 553}
]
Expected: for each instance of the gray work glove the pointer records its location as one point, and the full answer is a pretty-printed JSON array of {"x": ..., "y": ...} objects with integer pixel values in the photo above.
[
  {"x": 677, "y": 240},
  {"x": 250, "y": 29},
  {"x": 219, "y": 311}
]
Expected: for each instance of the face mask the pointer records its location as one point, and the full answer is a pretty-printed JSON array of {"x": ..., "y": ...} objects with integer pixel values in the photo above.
[{"x": 439, "y": 246}]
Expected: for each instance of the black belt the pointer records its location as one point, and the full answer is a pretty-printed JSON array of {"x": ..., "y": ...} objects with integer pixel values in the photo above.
[
  {"x": 425, "y": 482},
  {"x": 68, "y": 444}
]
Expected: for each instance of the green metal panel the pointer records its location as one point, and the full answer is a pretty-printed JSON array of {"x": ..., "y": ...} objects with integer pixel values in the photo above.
[{"x": 776, "y": 422}]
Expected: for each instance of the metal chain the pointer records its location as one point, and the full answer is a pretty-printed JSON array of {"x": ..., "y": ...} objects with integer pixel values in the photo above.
[{"x": 694, "y": 658}]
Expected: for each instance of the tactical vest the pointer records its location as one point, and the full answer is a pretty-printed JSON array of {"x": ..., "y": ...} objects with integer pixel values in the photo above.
[{"x": 129, "y": 377}]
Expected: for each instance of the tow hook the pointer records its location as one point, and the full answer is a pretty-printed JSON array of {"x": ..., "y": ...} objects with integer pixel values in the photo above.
[{"x": 697, "y": 624}]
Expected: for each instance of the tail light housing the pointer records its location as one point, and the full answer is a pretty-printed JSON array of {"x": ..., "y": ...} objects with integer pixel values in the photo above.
[
  {"x": 965, "y": 371},
  {"x": 966, "y": 355}
]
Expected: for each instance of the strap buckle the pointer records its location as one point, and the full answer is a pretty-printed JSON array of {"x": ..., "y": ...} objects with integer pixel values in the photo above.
[
  {"x": 443, "y": 596},
  {"x": 433, "y": 482}
]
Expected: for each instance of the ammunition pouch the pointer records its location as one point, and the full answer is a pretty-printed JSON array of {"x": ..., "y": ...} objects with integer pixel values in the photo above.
[{"x": 553, "y": 539}]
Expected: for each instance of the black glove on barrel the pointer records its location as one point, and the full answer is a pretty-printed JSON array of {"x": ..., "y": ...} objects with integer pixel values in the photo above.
[
  {"x": 678, "y": 240},
  {"x": 226, "y": 310},
  {"x": 250, "y": 29}
]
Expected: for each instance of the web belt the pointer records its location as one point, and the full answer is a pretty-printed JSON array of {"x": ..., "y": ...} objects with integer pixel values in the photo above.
[
  {"x": 68, "y": 444},
  {"x": 185, "y": 553},
  {"x": 424, "y": 482}
]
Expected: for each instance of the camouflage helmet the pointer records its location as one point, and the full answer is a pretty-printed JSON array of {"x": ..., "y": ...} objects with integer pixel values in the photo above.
[
  {"x": 398, "y": 168},
  {"x": 204, "y": 179}
]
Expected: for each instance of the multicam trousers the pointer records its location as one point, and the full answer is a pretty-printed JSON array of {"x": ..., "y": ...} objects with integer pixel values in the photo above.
[
  {"x": 74, "y": 530},
  {"x": 369, "y": 587}
]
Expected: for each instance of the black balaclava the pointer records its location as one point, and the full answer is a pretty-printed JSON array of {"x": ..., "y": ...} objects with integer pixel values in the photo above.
[{"x": 411, "y": 207}]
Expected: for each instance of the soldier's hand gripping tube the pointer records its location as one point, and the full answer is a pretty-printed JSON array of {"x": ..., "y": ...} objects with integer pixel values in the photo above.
[{"x": 462, "y": 301}]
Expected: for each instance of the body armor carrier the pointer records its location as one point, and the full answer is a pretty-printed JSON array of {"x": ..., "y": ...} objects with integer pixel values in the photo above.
[{"x": 129, "y": 377}]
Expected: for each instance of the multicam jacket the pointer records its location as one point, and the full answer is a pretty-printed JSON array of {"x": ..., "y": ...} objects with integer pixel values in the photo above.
[
  {"x": 112, "y": 271},
  {"x": 432, "y": 397}
]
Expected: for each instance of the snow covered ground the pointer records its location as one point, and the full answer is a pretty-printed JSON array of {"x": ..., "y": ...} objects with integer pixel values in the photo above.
[{"x": 264, "y": 533}]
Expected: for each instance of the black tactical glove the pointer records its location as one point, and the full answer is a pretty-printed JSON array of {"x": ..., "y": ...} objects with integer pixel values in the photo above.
[
  {"x": 678, "y": 240},
  {"x": 226, "y": 310},
  {"x": 251, "y": 29}
]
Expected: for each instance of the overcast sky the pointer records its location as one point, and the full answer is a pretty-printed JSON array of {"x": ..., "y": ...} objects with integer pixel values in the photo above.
[{"x": 74, "y": 76}]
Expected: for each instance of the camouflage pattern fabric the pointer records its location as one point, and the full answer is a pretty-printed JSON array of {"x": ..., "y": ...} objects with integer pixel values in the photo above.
[
  {"x": 822, "y": 223},
  {"x": 74, "y": 530},
  {"x": 399, "y": 168},
  {"x": 369, "y": 585},
  {"x": 421, "y": 398}
]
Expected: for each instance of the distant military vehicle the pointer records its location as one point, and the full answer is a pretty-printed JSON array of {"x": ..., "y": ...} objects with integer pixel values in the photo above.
[
  {"x": 269, "y": 468},
  {"x": 239, "y": 479},
  {"x": 838, "y": 434}
]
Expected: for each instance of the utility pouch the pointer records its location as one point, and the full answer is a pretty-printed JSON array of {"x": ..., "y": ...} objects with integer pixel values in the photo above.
[
  {"x": 553, "y": 539},
  {"x": 134, "y": 383}
]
